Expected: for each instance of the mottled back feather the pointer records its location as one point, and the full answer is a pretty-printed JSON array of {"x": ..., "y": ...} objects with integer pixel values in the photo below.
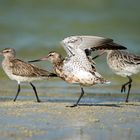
[
  {"x": 22, "y": 68},
  {"x": 127, "y": 57}
]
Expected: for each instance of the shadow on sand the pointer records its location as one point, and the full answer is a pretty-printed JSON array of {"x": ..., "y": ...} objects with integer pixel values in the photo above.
[{"x": 105, "y": 104}]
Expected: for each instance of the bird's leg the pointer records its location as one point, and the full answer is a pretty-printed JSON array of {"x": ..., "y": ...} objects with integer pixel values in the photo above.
[
  {"x": 38, "y": 100},
  {"x": 123, "y": 88},
  {"x": 82, "y": 93},
  {"x": 18, "y": 90},
  {"x": 129, "y": 87}
]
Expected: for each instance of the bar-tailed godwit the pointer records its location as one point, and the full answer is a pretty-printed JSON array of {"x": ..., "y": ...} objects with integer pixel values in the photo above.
[
  {"x": 123, "y": 63},
  {"x": 21, "y": 71},
  {"x": 78, "y": 67}
]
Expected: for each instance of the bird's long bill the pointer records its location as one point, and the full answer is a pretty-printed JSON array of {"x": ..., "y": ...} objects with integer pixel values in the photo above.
[
  {"x": 1, "y": 53},
  {"x": 37, "y": 60},
  {"x": 101, "y": 52}
]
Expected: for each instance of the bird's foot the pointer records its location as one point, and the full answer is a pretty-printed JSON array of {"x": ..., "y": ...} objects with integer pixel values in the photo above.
[
  {"x": 123, "y": 88},
  {"x": 126, "y": 100},
  {"x": 38, "y": 101},
  {"x": 75, "y": 105}
]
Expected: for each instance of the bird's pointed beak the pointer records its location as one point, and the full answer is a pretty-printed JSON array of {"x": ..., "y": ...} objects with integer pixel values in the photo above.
[{"x": 40, "y": 59}]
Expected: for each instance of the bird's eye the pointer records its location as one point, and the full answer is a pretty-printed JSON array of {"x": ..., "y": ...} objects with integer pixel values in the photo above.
[{"x": 50, "y": 55}]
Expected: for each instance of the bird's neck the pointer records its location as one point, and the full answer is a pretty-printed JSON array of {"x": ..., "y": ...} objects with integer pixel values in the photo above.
[
  {"x": 58, "y": 66},
  {"x": 9, "y": 58},
  {"x": 7, "y": 61},
  {"x": 109, "y": 52},
  {"x": 58, "y": 61}
]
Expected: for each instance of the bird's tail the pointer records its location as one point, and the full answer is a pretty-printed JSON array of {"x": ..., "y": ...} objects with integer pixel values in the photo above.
[
  {"x": 100, "y": 79},
  {"x": 52, "y": 75}
]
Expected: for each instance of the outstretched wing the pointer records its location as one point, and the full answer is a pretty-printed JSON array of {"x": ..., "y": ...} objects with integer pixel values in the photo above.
[
  {"x": 90, "y": 43},
  {"x": 28, "y": 70}
]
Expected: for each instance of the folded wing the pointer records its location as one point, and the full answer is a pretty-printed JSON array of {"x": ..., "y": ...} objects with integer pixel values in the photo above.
[{"x": 28, "y": 70}]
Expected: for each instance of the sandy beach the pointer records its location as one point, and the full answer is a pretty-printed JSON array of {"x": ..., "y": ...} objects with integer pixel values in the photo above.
[{"x": 24, "y": 120}]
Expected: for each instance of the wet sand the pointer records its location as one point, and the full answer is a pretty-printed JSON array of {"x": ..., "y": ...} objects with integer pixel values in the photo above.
[{"x": 24, "y": 120}]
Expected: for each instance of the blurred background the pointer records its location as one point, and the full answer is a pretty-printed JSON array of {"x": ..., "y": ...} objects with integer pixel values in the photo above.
[{"x": 35, "y": 27}]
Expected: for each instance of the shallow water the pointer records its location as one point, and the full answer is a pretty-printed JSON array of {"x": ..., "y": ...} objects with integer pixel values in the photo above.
[{"x": 56, "y": 90}]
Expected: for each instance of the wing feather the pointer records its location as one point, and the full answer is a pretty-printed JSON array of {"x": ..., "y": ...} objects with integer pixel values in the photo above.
[
  {"x": 22, "y": 68},
  {"x": 130, "y": 58},
  {"x": 88, "y": 42}
]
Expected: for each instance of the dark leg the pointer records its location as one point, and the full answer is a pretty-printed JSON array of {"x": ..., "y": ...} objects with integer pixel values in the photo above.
[
  {"x": 17, "y": 92},
  {"x": 35, "y": 92},
  {"x": 82, "y": 93},
  {"x": 129, "y": 87}
]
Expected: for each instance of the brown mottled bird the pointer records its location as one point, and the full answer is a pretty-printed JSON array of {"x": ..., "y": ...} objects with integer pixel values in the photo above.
[
  {"x": 22, "y": 71},
  {"x": 78, "y": 67},
  {"x": 123, "y": 63}
]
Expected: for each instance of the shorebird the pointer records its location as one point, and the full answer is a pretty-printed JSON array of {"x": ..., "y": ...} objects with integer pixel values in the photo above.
[
  {"x": 124, "y": 64},
  {"x": 78, "y": 67},
  {"x": 21, "y": 71}
]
